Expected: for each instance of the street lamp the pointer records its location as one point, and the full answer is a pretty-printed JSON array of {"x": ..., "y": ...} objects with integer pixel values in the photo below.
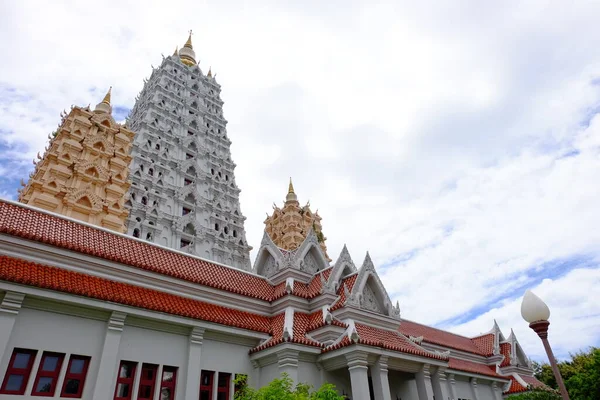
[{"x": 536, "y": 312}]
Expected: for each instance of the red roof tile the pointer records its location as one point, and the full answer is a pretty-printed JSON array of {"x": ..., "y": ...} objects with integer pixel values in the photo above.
[
  {"x": 316, "y": 321},
  {"x": 301, "y": 322},
  {"x": 531, "y": 380},
  {"x": 52, "y": 278},
  {"x": 390, "y": 340},
  {"x": 505, "y": 349},
  {"x": 53, "y": 230},
  {"x": 515, "y": 386},
  {"x": 485, "y": 343},
  {"x": 348, "y": 282},
  {"x": 476, "y": 368},
  {"x": 440, "y": 337}
]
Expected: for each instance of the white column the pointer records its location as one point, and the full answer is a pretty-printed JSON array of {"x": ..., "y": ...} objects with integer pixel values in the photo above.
[
  {"x": 288, "y": 363},
  {"x": 438, "y": 381},
  {"x": 424, "y": 387},
  {"x": 474, "y": 388},
  {"x": 358, "y": 368},
  {"x": 107, "y": 372},
  {"x": 452, "y": 386},
  {"x": 194, "y": 368},
  {"x": 9, "y": 309},
  {"x": 379, "y": 375},
  {"x": 497, "y": 389}
]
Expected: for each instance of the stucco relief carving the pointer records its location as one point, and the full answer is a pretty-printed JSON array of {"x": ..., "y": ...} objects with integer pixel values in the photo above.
[
  {"x": 369, "y": 302},
  {"x": 270, "y": 266},
  {"x": 309, "y": 263}
]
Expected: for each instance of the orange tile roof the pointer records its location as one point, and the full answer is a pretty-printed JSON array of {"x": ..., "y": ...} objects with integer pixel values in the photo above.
[
  {"x": 474, "y": 367},
  {"x": 306, "y": 291},
  {"x": 505, "y": 349},
  {"x": 349, "y": 282},
  {"x": 532, "y": 380},
  {"x": 485, "y": 343},
  {"x": 390, "y": 340},
  {"x": 515, "y": 386},
  {"x": 301, "y": 322},
  {"x": 61, "y": 280},
  {"x": 440, "y": 337},
  {"x": 53, "y": 230},
  {"x": 316, "y": 321}
]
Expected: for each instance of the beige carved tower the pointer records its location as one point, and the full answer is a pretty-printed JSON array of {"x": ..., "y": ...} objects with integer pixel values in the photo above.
[
  {"x": 289, "y": 226},
  {"x": 84, "y": 171}
]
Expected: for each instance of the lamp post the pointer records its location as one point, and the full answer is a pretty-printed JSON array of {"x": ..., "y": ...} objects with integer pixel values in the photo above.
[{"x": 536, "y": 312}]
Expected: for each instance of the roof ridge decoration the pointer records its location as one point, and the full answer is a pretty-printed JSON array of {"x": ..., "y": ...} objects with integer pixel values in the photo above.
[
  {"x": 368, "y": 292},
  {"x": 342, "y": 267}
]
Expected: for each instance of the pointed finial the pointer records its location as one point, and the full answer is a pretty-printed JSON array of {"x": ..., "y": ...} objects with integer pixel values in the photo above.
[
  {"x": 189, "y": 41},
  {"x": 209, "y": 72},
  {"x": 106, "y": 99},
  {"x": 291, "y": 187},
  {"x": 176, "y": 52}
]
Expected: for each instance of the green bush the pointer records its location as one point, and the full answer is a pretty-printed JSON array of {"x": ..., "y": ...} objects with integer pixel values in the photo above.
[{"x": 283, "y": 389}]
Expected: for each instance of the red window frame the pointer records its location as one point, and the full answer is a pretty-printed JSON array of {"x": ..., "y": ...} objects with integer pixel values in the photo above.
[
  {"x": 25, "y": 372},
  {"x": 48, "y": 374},
  {"x": 75, "y": 376},
  {"x": 223, "y": 389},
  {"x": 126, "y": 381},
  {"x": 147, "y": 382},
  {"x": 168, "y": 384},
  {"x": 207, "y": 388}
]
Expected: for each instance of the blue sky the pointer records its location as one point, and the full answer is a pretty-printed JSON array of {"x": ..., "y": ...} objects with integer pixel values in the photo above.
[{"x": 458, "y": 144}]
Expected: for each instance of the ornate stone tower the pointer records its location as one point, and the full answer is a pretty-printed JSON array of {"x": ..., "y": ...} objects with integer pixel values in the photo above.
[
  {"x": 183, "y": 192},
  {"x": 83, "y": 173},
  {"x": 289, "y": 226}
]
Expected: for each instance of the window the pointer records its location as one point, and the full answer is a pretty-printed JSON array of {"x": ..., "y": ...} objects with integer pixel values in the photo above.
[
  {"x": 136, "y": 233},
  {"x": 75, "y": 377},
  {"x": 123, "y": 391},
  {"x": 184, "y": 243},
  {"x": 223, "y": 388},
  {"x": 147, "y": 381},
  {"x": 187, "y": 182},
  {"x": 47, "y": 375},
  {"x": 206, "y": 385},
  {"x": 167, "y": 385},
  {"x": 19, "y": 369},
  {"x": 185, "y": 211}
]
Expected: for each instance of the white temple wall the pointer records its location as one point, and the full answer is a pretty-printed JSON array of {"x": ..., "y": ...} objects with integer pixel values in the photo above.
[
  {"x": 402, "y": 385},
  {"x": 226, "y": 357},
  {"x": 463, "y": 388},
  {"x": 341, "y": 379},
  {"x": 268, "y": 373},
  {"x": 484, "y": 389},
  {"x": 309, "y": 373},
  {"x": 47, "y": 331}
]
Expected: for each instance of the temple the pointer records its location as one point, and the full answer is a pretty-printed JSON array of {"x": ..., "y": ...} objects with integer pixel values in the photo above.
[
  {"x": 164, "y": 303},
  {"x": 288, "y": 226},
  {"x": 84, "y": 171},
  {"x": 183, "y": 193}
]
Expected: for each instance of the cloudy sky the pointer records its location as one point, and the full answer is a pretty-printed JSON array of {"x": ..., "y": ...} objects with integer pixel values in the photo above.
[{"x": 457, "y": 142}]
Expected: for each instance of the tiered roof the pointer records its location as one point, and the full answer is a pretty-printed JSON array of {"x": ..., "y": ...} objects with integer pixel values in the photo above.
[{"x": 46, "y": 228}]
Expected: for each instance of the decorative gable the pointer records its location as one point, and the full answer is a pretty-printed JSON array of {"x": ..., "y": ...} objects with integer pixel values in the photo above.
[{"x": 369, "y": 293}]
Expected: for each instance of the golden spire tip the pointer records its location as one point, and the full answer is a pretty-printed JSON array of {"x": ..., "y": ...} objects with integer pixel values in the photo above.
[
  {"x": 291, "y": 187},
  {"x": 189, "y": 41},
  {"x": 106, "y": 99},
  {"x": 176, "y": 52}
]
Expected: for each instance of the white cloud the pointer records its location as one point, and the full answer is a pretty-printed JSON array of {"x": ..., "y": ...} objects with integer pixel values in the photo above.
[{"x": 432, "y": 136}]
